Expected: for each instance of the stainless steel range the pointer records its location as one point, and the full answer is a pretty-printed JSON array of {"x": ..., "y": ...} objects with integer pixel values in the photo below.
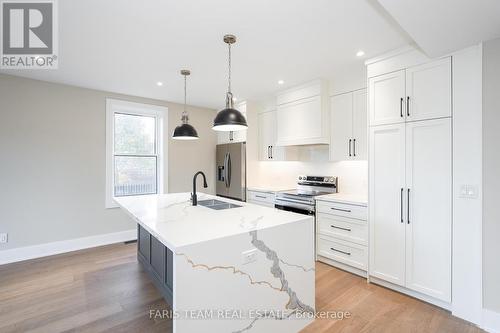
[{"x": 301, "y": 200}]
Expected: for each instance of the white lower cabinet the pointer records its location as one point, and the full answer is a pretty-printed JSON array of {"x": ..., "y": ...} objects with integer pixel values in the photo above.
[
  {"x": 410, "y": 206},
  {"x": 263, "y": 198},
  {"x": 342, "y": 235}
]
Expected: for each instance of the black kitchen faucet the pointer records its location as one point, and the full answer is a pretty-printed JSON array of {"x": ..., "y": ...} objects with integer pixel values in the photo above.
[{"x": 194, "y": 198}]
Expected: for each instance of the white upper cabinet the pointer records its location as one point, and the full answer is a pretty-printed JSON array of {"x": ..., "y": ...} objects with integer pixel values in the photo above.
[
  {"x": 387, "y": 98},
  {"x": 237, "y": 136},
  {"x": 359, "y": 125},
  {"x": 348, "y": 129},
  {"x": 341, "y": 128},
  {"x": 416, "y": 93},
  {"x": 302, "y": 115},
  {"x": 268, "y": 151},
  {"x": 267, "y": 134},
  {"x": 428, "y": 90}
]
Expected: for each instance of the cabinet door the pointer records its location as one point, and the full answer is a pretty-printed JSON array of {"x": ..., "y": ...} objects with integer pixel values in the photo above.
[
  {"x": 387, "y": 226},
  {"x": 267, "y": 130},
  {"x": 158, "y": 258},
  {"x": 223, "y": 137},
  {"x": 428, "y": 229},
  {"x": 301, "y": 122},
  {"x": 144, "y": 243},
  {"x": 428, "y": 90},
  {"x": 359, "y": 125},
  {"x": 387, "y": 95},
  {"x": 341, "y": 127}
]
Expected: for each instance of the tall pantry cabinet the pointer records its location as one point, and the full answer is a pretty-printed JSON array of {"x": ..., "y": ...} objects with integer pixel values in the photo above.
[{"x": 410, "y": 178}]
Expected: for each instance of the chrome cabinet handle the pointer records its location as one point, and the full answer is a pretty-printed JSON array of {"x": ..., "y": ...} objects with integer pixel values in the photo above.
[
  {"x": 344, "y": 252},
  {"x": 342, "y": 210},
  {"x": 260, "y": 196},
  {"x": 408, "y": 106},
  {"x": 401, "y": 107},
  {"x": 350, "y": 140},
  {"x": 334, "y": 226},
  {"x": 402, "y": 205},
  {"x": 354, "y": 147},
  {"x": 408, "y": 208},
  {"x": 271, "y": 151}
]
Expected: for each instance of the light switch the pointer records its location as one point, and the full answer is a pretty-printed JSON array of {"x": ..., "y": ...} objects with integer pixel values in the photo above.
[{"x": 469, "y": 191}]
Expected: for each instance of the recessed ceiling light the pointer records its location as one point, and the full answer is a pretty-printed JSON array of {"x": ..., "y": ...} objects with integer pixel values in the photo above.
[
  {"x": 281, "y": 82},
  {"x": 159, "y": 84},
  {"x": 360, "y": 53}
]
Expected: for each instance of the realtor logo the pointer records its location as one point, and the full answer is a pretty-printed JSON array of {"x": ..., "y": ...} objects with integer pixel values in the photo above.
[{"x": 29, "y": 32}]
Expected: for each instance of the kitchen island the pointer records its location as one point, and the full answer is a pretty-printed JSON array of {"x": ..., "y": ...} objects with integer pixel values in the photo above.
[{"x": 232, "y": 267}]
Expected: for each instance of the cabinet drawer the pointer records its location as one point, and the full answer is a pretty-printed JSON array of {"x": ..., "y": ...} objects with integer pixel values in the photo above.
[
  {"x": 347, "y": 229},
  {"x": 264, "y": 197},
  {"x": 351, "y": 254},
  {"x": 350, "y": 211}
]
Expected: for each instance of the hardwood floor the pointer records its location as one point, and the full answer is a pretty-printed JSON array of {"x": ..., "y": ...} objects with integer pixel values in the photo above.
[{"x": 105, "y": 290}]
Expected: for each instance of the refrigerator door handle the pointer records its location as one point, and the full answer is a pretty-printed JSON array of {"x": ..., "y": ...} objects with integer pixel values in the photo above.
[
  {"x": 225, "y": 169},
  {"x": 228, "y": 170}
]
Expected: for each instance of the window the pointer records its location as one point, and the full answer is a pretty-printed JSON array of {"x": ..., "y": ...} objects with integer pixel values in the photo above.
[{"x": 134, "y": 149}]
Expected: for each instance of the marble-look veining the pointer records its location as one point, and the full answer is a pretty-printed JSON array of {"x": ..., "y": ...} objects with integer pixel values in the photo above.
[
  {"x": 209, "y": 270},
  {"x": 175, "y": 222}
]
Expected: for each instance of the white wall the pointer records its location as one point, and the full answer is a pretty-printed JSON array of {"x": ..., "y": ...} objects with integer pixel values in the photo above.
[
  {"x": 491, "y": 177},
  {"x": 353, "y": 175},
  {"x": 52, "y": 168},
  {"x": 467, "y": 170}
]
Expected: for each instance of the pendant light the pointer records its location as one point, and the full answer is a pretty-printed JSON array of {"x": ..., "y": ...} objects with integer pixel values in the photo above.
[
  {"x": 185, "y": 131},
  {"x": 229, "y": 119}
]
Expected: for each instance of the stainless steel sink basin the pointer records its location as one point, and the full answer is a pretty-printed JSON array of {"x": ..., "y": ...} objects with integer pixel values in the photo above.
[{"x": 217, "y": 204}]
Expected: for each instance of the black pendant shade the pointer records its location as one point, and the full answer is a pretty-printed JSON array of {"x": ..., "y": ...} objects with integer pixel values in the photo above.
[
  {"x": 185, "y": 132},
  {"x": 230, "y": 120}
]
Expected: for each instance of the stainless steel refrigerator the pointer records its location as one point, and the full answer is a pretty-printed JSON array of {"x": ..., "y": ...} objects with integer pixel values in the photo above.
[{"x": 231, "y": 171}]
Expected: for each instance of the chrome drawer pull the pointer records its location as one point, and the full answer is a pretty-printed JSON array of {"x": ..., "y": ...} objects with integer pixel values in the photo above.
[
  {"x": 334, "y": 226},
  {"x": 260, "y": 196},
  {"x": 348, "y": 253},
  {"x": 342, "y": 210}
]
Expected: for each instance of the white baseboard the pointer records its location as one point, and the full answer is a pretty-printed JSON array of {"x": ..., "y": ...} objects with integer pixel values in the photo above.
[
  {"x": 49, "y": 249},
  {"x": 491, "y": 321}
]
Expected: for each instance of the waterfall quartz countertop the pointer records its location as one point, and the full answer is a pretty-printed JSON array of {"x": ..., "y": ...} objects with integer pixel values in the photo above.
[
  {"x": 173, "y": 220},
  {"x": 256, "y": 261}
]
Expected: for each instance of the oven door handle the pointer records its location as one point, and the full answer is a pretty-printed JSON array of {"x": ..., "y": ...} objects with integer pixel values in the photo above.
[
  {"x": 287, "y": 199},
  {"x": 284, "y": 203}
]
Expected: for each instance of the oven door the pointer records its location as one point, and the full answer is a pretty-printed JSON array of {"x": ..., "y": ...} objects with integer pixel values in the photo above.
[{"x": 294, "y": 206}]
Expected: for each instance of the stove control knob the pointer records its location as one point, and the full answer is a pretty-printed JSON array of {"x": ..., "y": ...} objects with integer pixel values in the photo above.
[{"x": 300, "y": 177}]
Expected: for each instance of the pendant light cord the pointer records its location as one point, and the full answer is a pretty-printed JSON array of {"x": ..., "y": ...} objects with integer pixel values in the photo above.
[
  {"x": 229, "y": 76},
  {"x": 184, "y": 113}
]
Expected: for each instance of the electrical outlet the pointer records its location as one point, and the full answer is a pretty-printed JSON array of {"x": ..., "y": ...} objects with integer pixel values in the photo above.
[
  {"x": 249, "y": 256},
  {"x": 3, "y": 238}
]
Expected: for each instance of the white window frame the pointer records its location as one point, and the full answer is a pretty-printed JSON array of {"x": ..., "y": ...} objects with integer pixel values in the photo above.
[{"x": 124, "y": 107}]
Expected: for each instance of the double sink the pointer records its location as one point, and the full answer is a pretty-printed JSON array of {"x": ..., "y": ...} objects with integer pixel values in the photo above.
[{"x": 217, "y": 204}]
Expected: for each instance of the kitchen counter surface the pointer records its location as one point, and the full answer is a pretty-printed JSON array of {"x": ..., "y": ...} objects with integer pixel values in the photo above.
[
  {"x": 176, "y": 223},
  {"x": 269, "y": 189},
  {"x": 352, "y": 199}
]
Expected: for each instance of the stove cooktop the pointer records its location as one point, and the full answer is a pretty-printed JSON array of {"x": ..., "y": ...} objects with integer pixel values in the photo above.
[{"x": 303, "y": 193}]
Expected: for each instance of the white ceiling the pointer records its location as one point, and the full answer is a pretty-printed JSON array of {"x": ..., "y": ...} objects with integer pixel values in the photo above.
[
  {"x": 127, "y": 46},
  {"x": 440, "y": 27}
]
